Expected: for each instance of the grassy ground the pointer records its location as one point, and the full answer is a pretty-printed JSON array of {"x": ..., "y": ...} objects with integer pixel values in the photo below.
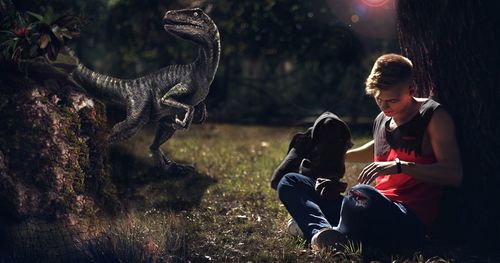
[
  {"x": 230, "y": 212},
  {"x": 225, "y": 211}
]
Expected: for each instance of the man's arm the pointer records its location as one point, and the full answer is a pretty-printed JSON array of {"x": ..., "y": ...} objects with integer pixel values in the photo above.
[
  {"x": 447, "y": 170},
  {"x": 362, "y": 154}
]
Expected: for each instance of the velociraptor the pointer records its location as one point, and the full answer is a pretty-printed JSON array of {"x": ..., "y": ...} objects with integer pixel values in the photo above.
[{"x": 171, "y": 91}]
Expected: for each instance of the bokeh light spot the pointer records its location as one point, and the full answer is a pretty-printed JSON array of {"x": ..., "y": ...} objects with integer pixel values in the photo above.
[{"x": 354, "y": 18}]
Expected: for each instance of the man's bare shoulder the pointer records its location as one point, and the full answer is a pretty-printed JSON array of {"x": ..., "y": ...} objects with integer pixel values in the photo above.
[
  {"x": 441, "y": 115},
  {"x": 441, "y": 122}
]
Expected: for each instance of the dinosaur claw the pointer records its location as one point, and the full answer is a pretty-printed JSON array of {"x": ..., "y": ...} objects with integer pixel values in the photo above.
[
  {"x": 159, "y": 159},
  {"x": 167, "y": 166},
  {"x": 184, "y": 123},
  {"x": 179, "y": 125},
  {"x": 178, "y": 169}
]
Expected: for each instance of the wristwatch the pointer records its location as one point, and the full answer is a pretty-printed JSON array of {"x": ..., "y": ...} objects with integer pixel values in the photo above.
[{"x": 398, "y": 165}]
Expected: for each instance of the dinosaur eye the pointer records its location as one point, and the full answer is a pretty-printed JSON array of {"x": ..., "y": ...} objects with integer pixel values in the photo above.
[{"x": 195, "y": 14}]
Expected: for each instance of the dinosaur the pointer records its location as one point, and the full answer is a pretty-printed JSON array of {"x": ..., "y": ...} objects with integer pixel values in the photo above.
[{"x": 172, "y": 96}]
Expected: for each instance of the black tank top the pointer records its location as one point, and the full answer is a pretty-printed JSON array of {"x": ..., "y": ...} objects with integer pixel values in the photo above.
[
  {"x": 407, "y": 137},
  {"x": 405, "y": 143}
]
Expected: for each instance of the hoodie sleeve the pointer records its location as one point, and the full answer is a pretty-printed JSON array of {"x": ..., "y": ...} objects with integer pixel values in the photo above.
[{"x": 299, "y": 146}]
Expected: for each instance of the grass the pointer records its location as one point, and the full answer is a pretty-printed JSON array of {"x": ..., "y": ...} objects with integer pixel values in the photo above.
[
  {"x": 224, "y": 212},
  {"x": 232, "y": 214},
  {"x": 246, "y": 219}
]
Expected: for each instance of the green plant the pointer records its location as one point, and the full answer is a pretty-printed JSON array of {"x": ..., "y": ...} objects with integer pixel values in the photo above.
[
  {"x": 30, "y": 35},
  {"x": 353, "y": 251}
]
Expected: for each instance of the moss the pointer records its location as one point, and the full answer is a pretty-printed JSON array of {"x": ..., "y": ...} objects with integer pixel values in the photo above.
[
  {"x": 66, "y": 200},
  {"x": 78, "y": 180},
  {"x": 80, "y": 150},
  {"x": 34, "y": 147},
  {"x": 93, "y": 125},
  {"x": 109, "y": 193}
]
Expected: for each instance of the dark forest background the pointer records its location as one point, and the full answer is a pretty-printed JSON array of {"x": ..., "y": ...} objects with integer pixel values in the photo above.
[{"x": 282, "y": 61}]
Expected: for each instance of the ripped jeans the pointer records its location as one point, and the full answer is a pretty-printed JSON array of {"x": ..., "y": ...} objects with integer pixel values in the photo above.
[{"x": 364, "y": 214}]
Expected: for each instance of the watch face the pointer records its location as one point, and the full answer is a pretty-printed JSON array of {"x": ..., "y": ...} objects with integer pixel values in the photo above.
[{"x": 398, "y": 165}]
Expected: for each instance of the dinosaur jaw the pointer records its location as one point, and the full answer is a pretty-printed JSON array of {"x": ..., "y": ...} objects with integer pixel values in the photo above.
[
  {"x": 171, "y": 23},
  {"x": 184, "y": 30},
  {"x": 176, "y": 28},
  {"x": 181, "y": 25}
]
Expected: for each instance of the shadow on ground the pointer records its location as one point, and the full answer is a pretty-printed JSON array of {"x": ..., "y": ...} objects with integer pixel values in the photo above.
[{"x": 141, "y": 186}]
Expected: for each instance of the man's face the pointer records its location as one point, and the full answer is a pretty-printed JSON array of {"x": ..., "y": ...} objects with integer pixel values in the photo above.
[{"x": 393, "y": 101}]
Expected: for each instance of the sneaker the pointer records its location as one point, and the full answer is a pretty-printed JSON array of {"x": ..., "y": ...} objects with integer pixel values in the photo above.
[
  {"x": 294, "y": 229},
  {"x": 327, "y": 238}
]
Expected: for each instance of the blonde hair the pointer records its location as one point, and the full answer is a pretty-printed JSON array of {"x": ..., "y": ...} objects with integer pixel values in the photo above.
[{"x": 388, "y": 71}]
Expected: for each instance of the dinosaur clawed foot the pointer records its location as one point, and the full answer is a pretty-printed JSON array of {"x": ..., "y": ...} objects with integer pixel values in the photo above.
[
  {"x": 167, "y": 166},
  {"x": 159, "y": 159},
  {"x": 178, "y": 169}
]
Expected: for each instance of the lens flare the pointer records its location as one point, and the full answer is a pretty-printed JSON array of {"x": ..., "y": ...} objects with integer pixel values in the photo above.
[
  {"x": 370, "y": 18},
  {"x": 374, "y": 3}
]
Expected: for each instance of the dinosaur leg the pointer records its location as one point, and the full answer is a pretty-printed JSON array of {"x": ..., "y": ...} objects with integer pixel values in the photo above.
[
  {"x": 137, "y": 116},
  {"x": 164, "y": 131},
  {"x": 169, "y": 99}
]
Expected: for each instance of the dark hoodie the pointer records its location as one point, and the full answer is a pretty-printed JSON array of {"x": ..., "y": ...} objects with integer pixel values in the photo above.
[{"x": 319, "y": 152}]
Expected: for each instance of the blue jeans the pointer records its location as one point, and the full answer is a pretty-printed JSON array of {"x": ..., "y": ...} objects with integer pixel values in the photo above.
[{"x": 364, "y": 214}]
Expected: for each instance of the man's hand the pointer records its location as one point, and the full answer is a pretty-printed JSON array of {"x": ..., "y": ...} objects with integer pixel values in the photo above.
[
  {"x": 328, "y": 189},
  {"x": 376, "y": 169}
]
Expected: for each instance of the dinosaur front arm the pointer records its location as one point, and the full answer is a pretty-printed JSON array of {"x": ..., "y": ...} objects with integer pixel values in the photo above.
[
  {"x": 200, "y": 113},
  {"x": 179, "y": 90}
]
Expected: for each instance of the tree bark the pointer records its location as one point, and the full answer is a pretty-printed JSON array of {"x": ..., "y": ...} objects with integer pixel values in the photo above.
[{"x": 454, "y": 48}]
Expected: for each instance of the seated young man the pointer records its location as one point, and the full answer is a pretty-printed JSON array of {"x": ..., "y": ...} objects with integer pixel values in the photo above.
[{"x": 413, "y": 153}]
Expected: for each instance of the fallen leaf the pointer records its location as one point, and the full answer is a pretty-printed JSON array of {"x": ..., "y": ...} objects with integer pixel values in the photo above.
[{"x": 44, "y": 40}]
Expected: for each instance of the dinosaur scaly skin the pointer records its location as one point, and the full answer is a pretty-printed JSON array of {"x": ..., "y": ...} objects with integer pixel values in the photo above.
[{"x": 172, "y": 91}]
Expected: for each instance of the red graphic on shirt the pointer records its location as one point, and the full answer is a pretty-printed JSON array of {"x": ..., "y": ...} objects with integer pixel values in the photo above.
[{"x": 421, "y": 198}]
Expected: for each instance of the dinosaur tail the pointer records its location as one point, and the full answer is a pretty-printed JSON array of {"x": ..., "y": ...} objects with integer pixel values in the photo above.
[
  {"x": 114, "y": 87},
  {"x": 100, "y": 83}
]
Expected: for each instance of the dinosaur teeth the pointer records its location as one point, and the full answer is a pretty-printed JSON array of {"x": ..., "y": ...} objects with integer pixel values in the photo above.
[
  {"x": 174, "y": 26},
  {"x": 170, "y": 22}
]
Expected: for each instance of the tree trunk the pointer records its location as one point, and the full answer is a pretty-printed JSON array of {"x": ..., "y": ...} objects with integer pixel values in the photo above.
[
  {"x": 53, "y": 162},
  {"x": 454, "y": 49}
]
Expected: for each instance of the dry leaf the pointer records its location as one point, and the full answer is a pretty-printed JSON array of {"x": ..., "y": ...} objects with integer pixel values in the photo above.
[{"x": 44, "y": 40}]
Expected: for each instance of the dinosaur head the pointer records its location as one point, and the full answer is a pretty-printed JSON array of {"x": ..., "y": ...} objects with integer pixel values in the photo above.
[{"x": 191, "y": 24}]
